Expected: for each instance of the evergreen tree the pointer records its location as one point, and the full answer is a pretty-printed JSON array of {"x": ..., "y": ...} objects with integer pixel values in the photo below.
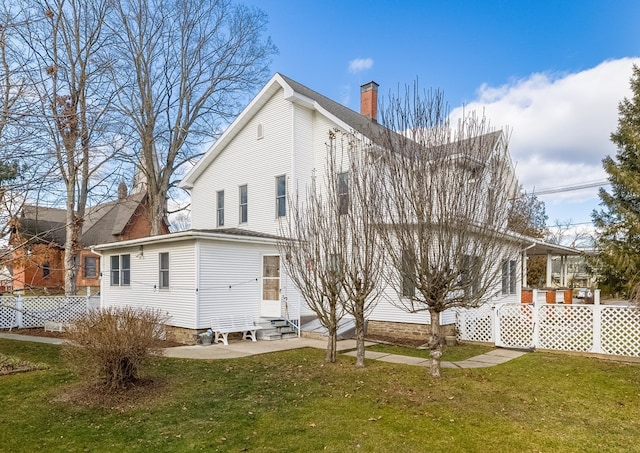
[{"x": 618, "y": 222}]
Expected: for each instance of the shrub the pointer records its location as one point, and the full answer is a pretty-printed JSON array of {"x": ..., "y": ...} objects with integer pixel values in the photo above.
[{"x": 114, "y": 343}]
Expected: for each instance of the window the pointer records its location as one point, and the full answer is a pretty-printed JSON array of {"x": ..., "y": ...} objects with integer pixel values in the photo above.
[
  {"x": 121, "y": 270},
  {"x": 220, "y": 208},
  {"x": 90, "y": 267},
  {"x": 509, "y": 276},
  {"x": 243, "y": 204},
  {"x": 46, "y": 270},
  {"x": 115, "y": 270},
  {"x": 407, "y": 274},
  {"x": 343, "y": 193},
  {"x": 125, "y": 270},
  {"x": 470, "y": 275},
  {"x": 281, "y": 196},
  {"x": 164, "y": 270},
  {"x": 270, "y": 277}
]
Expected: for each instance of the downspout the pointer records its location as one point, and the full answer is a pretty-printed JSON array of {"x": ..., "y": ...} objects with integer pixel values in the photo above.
[{"x": 197, "y": 282}]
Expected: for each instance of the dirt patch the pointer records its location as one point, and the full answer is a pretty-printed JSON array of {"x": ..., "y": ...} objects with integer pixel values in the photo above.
[
  {"x": 142, "y": 393},
  {"x": 37, "y": 332},
  {"x": 396, "y": 341}
]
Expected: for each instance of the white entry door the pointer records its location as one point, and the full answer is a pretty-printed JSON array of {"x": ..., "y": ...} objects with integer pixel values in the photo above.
[{"x": 270, "y": 306}]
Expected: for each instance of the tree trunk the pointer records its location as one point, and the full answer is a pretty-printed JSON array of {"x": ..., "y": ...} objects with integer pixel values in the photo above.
[
  {"x": 156, "y": 212},
  {"x": 435, "y": 344},
  {"x": 360, "y": 351},
  {"x": 70, "y": 246},
  {"x": 332, "y": 344}
]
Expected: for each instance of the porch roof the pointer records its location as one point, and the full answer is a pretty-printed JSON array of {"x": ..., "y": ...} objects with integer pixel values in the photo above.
[{"x": 542, "y": 248}]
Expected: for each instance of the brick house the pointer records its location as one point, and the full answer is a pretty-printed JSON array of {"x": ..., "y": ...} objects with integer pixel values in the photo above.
[{"x": 38, "y": 236}]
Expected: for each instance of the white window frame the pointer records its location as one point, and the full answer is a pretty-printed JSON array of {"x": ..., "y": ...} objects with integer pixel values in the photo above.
[
  {"x": 281, "y": 198},
  {"x": 243, "y": 207},
  {"x": 220, "y": 208},
  {"x": 163, "y": 272}
]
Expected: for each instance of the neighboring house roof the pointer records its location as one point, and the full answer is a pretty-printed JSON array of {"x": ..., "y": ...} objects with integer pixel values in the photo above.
[{"x": 102, "y": 223}]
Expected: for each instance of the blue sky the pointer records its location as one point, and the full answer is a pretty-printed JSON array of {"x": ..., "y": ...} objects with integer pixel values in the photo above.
[{"x": 551, "y": 71}]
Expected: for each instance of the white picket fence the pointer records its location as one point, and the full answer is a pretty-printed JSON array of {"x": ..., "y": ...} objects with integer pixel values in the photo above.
[
  {"x": 34, "y": 311},
  {"x": 602, "y": 329}
]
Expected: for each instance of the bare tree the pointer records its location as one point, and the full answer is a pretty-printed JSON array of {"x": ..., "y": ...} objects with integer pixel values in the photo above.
[
  {"x": 351, "y": 181},
  {"x": 63, "y": 49},
  {"x": 565, "y": 232},
  {"x": 335, "y": 258},
  {"x": 186, "y": 68},
  {"x": 313, "y": 249},
  {"x": 445, "y": 195},
  {"x": 181, "y": 221}
]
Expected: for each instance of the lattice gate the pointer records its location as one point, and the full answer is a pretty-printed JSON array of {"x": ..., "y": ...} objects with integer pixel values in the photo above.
[
  {"x": 613, "y": 330},
  {"x": 514, "y": 324}
]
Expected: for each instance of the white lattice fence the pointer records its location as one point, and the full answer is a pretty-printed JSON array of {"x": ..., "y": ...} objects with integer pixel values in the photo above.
[
  {"x": 34, "y": 311},
  {"x": 37, "y": 310},
  {"x": 8, "y": 312},
  {"x": 566, "y": 327},
  {"x": 475, "y": 324},
  {"x": 596, "y": 328},
  {"x": 515, "y": 325},
  {"x": 620, "y": 331}
]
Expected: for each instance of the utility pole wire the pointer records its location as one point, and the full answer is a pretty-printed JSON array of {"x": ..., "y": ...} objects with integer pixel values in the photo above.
[{"x": 560, "y": 189}]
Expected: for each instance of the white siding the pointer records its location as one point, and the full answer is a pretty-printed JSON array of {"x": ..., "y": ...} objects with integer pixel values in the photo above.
[
  {"x": 231, "y": 280},
  {"x": 293, "y": 144},
  {"x": 178, "y": 300},
  {"x": 252, "y": 161}
]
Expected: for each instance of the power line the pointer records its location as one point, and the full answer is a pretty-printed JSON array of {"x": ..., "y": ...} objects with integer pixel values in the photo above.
[{"x": 569, "y": 188}]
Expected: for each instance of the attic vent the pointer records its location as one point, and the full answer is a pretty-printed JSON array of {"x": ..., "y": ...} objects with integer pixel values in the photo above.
[{"x": 260, "y": 132}]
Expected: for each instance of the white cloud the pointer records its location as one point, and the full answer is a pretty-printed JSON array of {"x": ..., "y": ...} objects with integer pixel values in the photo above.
[
  {"x": 560, "y": 124},
  {"x": 360, "y": 64}
]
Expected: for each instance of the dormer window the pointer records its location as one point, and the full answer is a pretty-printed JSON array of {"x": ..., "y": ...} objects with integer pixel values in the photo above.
[{"x": 260, "y": 131}]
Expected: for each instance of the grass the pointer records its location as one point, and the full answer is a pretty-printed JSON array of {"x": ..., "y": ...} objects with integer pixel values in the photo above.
[
  {"x": 450, "y": 353},
  {"x": 292, "y": 401}
]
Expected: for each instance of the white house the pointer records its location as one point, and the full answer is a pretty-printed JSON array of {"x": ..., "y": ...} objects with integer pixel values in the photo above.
[{"x": 228, "y": 263}]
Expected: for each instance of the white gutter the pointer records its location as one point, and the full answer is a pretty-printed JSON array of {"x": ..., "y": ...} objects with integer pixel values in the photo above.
[{"x": 186, "y": 235}]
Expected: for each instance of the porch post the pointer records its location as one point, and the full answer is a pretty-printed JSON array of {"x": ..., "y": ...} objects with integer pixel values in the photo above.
[
  {"x": 548, "y": 283},
  {"x": 525, "y": 259}
]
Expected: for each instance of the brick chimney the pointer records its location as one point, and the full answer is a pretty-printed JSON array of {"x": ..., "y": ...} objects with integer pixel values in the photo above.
[{"x": 369, "y": 100}]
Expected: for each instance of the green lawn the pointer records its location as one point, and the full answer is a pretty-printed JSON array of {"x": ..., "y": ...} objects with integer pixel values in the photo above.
[{"x": 293, "y": 402}]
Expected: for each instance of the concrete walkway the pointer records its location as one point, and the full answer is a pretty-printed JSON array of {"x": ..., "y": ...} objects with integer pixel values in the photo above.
[
  {"x": 20, "y": 337},
  {"x": 491, "y": 358},
  {"x": 347, "y": 347}
]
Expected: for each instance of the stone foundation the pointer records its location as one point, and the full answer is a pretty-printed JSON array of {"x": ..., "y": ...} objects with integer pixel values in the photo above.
[
  {"x": 182, "y": 334},
  {"x": 406, "y": 330},
  {"x": 190, "y": 336}
]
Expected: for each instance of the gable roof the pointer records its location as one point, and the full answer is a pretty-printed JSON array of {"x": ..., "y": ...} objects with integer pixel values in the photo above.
[
  {"x": 102, "y": 223},
  {"x": 298, "y": 94}
]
